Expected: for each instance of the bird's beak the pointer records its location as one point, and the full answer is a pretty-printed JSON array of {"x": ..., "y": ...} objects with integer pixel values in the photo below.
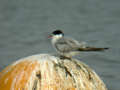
[{"x": 50, "y": 36}]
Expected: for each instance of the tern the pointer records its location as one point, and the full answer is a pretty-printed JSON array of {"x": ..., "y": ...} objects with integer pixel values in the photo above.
[{"x": 68, "y": 47}]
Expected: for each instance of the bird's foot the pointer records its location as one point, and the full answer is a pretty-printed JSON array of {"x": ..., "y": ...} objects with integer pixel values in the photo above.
[{"x": 64, "y": 57}]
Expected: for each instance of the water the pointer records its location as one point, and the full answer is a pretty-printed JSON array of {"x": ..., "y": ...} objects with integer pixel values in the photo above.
[{"x": 25, "y": 24}]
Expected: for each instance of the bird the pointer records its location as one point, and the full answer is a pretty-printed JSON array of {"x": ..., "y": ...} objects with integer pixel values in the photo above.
[{"x": 69, "y": 47}]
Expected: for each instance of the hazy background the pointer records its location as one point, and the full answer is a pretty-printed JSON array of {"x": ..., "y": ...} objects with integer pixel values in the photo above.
[{"x": 25, "y": 25}]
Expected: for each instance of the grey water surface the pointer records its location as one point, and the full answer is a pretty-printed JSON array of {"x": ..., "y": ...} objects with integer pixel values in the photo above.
[{"x": 25, "y": 25}]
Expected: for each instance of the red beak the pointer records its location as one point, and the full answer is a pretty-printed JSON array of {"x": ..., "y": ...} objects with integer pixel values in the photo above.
[{"x": 50, "y": 36}]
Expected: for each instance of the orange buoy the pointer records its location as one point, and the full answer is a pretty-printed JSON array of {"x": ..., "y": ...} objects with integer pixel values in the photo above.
[{"x": 46, "y": 72}]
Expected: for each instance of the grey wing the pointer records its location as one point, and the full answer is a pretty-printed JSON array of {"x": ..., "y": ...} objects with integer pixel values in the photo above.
[
  {"x": 67, "y": 45},
  {"x": 76, "y": 44},
  {"x": 62, "y": 46}
]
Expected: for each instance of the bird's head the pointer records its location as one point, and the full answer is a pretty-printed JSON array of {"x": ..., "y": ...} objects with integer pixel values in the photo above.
[{"x": 57, "y": 34}]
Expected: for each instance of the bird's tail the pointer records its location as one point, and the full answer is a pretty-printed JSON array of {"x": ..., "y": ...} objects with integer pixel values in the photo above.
[{"x": 92, "y": 49}]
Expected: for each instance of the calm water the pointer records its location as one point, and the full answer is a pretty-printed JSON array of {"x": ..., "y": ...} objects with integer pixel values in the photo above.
[{"x": 25, "y": 24}]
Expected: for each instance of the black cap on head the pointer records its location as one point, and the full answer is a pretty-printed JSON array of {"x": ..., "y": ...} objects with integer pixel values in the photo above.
[{"x": 57, "y": 32}]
